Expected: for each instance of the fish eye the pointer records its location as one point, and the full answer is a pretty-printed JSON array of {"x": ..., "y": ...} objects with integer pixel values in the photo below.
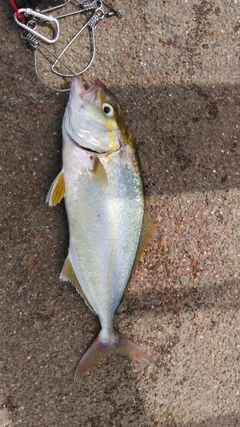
[{"x": 108, "y": 109}]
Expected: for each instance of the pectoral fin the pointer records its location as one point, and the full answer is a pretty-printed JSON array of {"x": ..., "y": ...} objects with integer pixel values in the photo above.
[
  {"x": 68, "y": 275},
  {"x": 56, "y": 191},
  {"x": 98, "y": 172}
]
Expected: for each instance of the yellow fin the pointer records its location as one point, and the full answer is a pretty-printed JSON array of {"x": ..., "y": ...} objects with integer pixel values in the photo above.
[
  {"x": 99, "y": 173},
  {"x": 68, "y": 274},
  {"x": 56, "y": 191},
  {"x": 148, "y": 232}
]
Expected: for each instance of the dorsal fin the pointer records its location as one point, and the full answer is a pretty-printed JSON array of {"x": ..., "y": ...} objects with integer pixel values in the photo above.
[
  {"x": 56, "y": 191},
  {"x": 68, "y": 275},
  {"x": 148, "y": 232}
]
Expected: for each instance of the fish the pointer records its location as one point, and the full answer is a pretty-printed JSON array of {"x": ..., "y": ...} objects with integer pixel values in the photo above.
[{"x": 109, "y": 226}]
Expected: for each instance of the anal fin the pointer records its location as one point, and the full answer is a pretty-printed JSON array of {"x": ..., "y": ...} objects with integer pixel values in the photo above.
[
  {"x": 56, "y": 191},
  {"x": 68, "y": 275}
]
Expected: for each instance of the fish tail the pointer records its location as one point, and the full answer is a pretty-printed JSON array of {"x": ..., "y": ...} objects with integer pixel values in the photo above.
[{"x": 101, "y": 349}]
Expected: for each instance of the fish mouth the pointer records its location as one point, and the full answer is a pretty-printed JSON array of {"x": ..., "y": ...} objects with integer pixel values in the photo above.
[{"x": 89, "y": 94}]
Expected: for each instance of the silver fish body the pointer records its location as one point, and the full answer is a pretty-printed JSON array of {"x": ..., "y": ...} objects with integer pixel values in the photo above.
[
  {"x": 105, "y": 223},
  {"x": 104, "y": 198}
]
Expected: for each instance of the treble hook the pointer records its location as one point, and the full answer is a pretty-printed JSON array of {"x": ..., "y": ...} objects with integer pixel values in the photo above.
[{"x": 91, "y": 23}]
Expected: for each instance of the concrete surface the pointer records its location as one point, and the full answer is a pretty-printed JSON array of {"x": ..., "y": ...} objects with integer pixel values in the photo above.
[{"x": 175, "y": 68}]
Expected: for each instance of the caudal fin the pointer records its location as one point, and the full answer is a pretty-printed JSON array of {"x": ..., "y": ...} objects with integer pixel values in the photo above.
[{"x": 100, "y": 349}]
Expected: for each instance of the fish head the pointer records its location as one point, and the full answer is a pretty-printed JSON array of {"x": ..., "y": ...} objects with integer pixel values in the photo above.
[{"x": 93, "y": 118}]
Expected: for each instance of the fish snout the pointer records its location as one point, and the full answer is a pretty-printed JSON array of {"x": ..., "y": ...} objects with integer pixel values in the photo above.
[{"x": 90, "y": 94}]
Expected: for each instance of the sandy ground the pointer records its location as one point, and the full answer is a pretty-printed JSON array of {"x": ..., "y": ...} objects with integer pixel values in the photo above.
[{"x": 174, "y": 66}]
